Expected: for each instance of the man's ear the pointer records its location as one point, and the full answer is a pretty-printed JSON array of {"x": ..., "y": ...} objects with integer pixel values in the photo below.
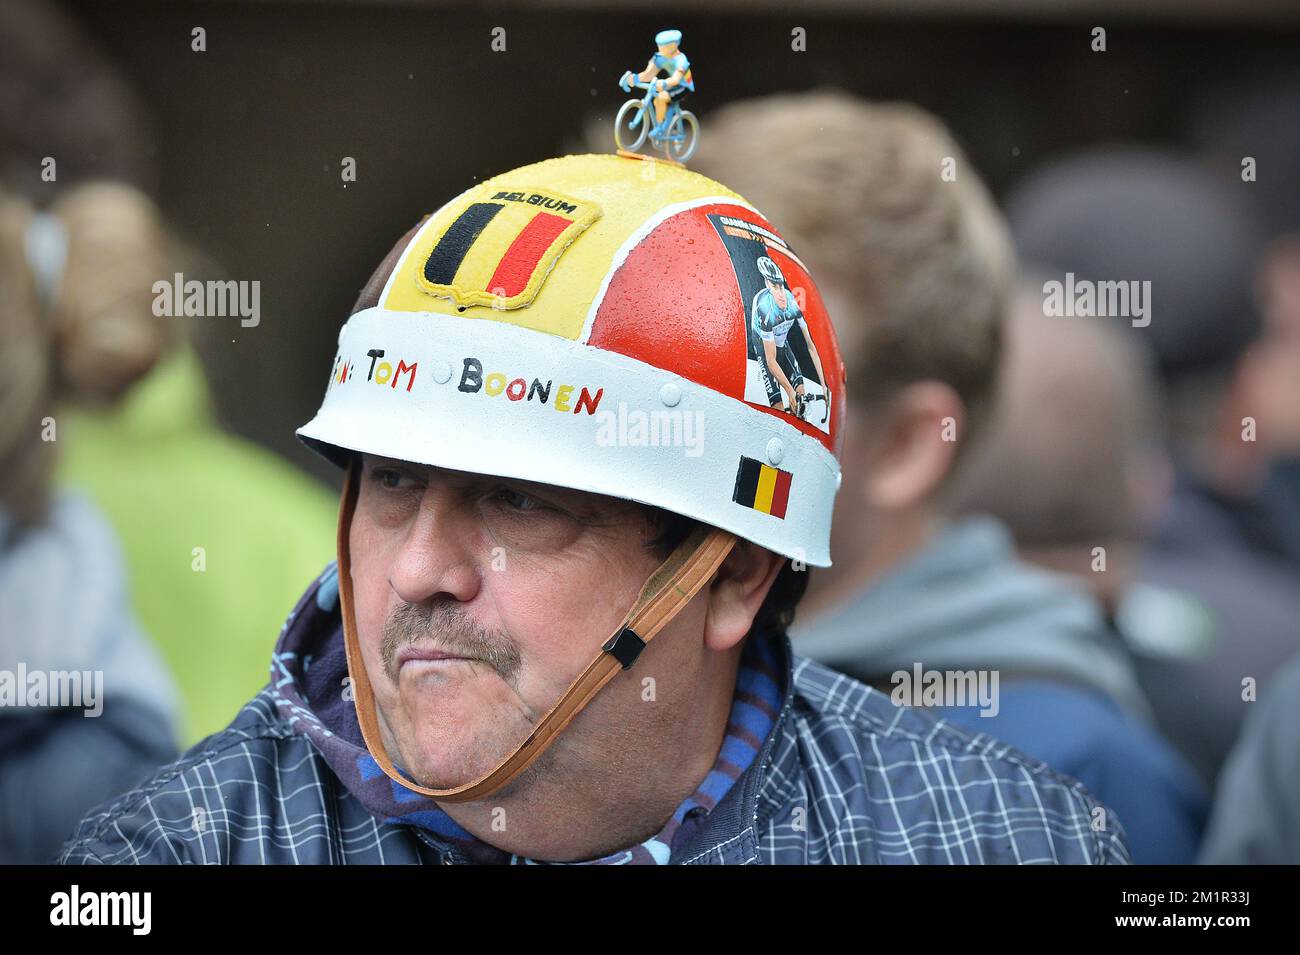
[
  {"x": 915, "y": 444},
  {"x": 737, "y": 592}
]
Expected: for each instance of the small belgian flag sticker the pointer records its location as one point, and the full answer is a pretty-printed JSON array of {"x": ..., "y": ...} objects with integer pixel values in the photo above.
[{"x": 763, "y": 488}]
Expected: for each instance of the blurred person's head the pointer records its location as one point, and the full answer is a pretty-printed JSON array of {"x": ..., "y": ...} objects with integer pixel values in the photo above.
[
  {"x": 1269, "y": 373},
  {"x": 82, "y": 244},
  {"x": 1128, "y": 214},
  {"x": 1071, "y": 461},
  {"x": 915, "y": 264},
  {"x": 76, "y": 321}
]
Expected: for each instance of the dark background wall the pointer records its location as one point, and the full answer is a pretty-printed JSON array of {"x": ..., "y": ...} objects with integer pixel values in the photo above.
[{"x": 244, "y": 141}]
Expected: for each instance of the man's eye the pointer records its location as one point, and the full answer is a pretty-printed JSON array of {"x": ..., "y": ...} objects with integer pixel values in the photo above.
[
  {"x": 390, "y": 478},
  {"x": 518, "y": 500}
]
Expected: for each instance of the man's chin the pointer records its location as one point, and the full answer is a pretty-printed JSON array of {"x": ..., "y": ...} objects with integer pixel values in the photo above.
[
  {"x": 440, "y": 761},
  {"x": 451, "y": 732}
]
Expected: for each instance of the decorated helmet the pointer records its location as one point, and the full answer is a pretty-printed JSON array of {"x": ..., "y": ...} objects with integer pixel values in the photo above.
[
  {"x": 664, "y": 37},
  {"x": 526, "y": 315},
  {"x": 522, "y": 330}
]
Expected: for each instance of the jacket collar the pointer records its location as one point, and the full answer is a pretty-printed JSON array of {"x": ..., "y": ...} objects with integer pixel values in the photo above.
[{"x": 729, "y": 834}]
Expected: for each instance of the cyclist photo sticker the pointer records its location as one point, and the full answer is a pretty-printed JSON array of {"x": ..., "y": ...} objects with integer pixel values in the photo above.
[{"x": 782, "y": 367}]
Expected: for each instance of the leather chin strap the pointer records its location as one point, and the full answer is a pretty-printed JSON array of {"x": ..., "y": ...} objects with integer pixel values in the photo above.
[{"x": 665, "y": 593}]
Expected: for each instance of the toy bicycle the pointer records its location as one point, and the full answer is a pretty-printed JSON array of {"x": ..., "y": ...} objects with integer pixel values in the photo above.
[{"x": 677, "y": 136}]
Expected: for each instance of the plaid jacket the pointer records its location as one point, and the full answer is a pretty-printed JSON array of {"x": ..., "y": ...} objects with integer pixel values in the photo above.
[{"x": 844, "y": 776}]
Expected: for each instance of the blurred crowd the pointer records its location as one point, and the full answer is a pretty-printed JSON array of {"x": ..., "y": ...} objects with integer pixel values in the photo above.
[{"x": 1103, "y": 509}]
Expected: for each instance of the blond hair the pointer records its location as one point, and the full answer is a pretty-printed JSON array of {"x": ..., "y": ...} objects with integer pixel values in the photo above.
[
  {"x": 89, "y": 338},
  {"x": 923, "y": 262}
]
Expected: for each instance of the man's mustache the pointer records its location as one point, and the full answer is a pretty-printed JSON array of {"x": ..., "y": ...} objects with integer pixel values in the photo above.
[{"x": 443, "y": 627}]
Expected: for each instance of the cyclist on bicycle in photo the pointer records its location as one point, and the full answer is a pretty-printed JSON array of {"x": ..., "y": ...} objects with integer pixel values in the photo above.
[
  {"x": 673, "y": 61},
  {"x": 773, "y": 313}
]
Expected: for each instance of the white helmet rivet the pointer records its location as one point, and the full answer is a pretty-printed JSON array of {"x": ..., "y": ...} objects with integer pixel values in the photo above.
[
  {"x": 839, "y": 476},
  {"x": 441, "y": 372},
  {"x": 775, "y": 451},
  {"x": 670, "y": 394}
]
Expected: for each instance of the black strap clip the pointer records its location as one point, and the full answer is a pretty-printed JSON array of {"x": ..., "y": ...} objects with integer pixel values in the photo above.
[{"x": 625, "y": 646}]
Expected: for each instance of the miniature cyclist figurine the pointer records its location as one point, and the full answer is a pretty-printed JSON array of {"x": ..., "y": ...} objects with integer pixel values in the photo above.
[
  {"x": 674, "y": 130},
  {"x": 673, "y": 61}
]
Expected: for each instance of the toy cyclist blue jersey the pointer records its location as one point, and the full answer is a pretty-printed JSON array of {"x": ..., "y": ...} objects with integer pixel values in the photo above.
[
  {"x": 672, "y": 64},
  {"x": 771, "y": 321}
]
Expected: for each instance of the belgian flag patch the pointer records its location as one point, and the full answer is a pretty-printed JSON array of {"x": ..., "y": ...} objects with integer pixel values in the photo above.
[
  {"x": 499, "y": 250},
  {"x": 761, "y": 487}
]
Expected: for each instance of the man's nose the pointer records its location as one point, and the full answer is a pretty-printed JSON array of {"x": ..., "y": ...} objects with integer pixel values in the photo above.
[{"x": 442, "y": 550}]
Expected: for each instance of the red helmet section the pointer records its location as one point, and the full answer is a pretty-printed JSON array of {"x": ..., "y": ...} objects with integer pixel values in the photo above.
[{"x": 682, "y": 301}]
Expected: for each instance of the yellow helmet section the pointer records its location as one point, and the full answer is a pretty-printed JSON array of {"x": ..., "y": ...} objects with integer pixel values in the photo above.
[{"x": 492, "y": 251}]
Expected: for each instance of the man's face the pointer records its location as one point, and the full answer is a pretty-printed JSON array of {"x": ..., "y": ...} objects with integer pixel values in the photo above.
[
  {"x": 778, "y": 291},
  {"x": 478, "y": 600},
  {"x": 667, "y": 49}
]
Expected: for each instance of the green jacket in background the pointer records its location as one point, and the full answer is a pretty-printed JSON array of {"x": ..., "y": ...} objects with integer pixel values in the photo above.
[{"x": 218, "y": 532}]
